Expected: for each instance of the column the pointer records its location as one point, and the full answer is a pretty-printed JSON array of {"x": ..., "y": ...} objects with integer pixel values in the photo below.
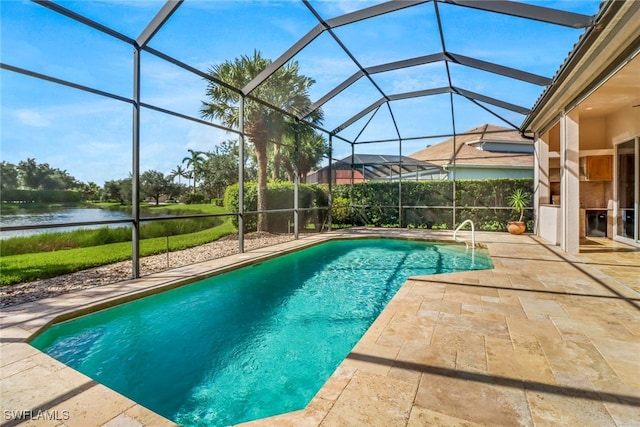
[
  {"x": 541, "y": 188},
  {"x": 570, "y": 183},
  {"x": 241, "y": 164}
]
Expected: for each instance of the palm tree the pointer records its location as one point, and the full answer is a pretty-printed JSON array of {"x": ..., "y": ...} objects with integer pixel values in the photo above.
[
  {"x": 195, "y": 163},
  {"x": 312, "y": 148},
  {"x": 289, "y": 79},
  {"x": 285, "y": 89},
  {"x": 179, "y": 172}
]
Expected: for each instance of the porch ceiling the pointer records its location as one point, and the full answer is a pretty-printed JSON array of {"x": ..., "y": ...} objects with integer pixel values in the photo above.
[{"x": 620, "y": 91}]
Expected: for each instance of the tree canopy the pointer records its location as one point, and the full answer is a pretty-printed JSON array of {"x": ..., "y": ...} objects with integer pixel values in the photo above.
[
  {"x": 31, "y": 175},
  {"x": 286, "y": 89}
]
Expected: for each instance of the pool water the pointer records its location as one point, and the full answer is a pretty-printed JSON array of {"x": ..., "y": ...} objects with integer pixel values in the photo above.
[{"x": 252, "y": 343}]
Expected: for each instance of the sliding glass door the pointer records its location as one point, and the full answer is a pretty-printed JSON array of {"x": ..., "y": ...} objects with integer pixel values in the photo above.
[{"x": 628, "y": 190}]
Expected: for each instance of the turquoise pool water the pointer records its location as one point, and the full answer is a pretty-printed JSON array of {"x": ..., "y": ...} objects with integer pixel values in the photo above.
[{"x": 252, "y": 343}]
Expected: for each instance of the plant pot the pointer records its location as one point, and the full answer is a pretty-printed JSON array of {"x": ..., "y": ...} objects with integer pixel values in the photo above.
[{"x": 516, "y": 227}]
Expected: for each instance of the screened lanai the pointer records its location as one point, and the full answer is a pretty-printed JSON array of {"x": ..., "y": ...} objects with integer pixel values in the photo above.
[
  {"x": 173, "y": 117},
  {"x": 110, "y": 90}
]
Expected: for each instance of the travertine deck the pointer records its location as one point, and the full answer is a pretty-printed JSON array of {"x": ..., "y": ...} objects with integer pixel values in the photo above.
[{"x": 545, "y": 338}]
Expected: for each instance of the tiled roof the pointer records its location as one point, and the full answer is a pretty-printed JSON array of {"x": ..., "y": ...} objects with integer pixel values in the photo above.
[{"x": 442, "y": 153}]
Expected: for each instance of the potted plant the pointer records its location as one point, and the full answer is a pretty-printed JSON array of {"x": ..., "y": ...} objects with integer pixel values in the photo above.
[{"x": 518, "y": 201}]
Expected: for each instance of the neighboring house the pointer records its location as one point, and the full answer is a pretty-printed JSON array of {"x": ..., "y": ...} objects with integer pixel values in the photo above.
[
  {"x": 376, "y": 167},
  {"x": 485, "y": 152}
]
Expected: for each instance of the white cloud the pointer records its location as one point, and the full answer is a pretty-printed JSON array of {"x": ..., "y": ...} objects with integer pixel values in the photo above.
[
  {"x": 341, "y": 7},
  {"x": 204, "y": 138},
  {"x": 98, "y": 148},
  {"x": 30, "y": 117},
  {"x": 415, "y": 84},
  {"x": 333, "y": 69}
]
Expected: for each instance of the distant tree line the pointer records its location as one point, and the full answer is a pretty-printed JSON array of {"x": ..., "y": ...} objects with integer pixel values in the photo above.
[
  {"x": 200, "y": 177},
  {"x": 29, "y": 175}
]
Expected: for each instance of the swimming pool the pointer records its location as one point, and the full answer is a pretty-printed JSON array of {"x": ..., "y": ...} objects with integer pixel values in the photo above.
[{"x": 251, "y": 343}]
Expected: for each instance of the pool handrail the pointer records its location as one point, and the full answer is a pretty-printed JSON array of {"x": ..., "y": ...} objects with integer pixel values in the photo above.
[{"x": 473, "y": 233}]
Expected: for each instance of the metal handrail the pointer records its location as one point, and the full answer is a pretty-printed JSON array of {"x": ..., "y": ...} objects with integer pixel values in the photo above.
[{"x": 473, "y": 233}]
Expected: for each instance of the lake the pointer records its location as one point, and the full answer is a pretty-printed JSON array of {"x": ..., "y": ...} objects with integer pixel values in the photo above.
[{"x": 57, "y": 216}]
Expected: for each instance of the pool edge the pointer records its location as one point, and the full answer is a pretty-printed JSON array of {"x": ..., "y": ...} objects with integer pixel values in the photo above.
[{"x": 31, "y": 322}]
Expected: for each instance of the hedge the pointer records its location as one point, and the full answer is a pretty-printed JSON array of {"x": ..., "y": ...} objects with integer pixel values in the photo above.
[
  {"x": 279, "y": 196},
  {"x": 479, "y": 200},
  {"x": 427, "y": 204}
]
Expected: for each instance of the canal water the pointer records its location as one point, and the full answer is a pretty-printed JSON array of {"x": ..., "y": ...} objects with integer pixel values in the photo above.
[{"x": 57, "y": 216}]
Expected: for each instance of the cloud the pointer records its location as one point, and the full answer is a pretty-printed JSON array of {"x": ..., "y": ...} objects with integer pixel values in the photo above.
[
  {"x": 291, "y": 26},
  {"x": 98, "y": 148},
  {"x": 141, "y": 4},
  {"x": 331, "y": 68},
  {"x": 416, "y": 84},
  {"x": 33, "y": 118},
  {"x": 341, "y": 7},
  {"x": 203, "y": 138}
]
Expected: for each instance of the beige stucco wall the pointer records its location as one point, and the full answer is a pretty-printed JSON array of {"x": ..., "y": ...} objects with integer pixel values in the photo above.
[
  {"x": 601, "y": 132},
  {"x": 593, "y": 134},
  {"x": 554, "y": 138},
  {"x": 623, "y": 126}
]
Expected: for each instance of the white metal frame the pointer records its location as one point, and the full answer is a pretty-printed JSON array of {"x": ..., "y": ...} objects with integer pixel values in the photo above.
[{"x": 635, "y": 241}]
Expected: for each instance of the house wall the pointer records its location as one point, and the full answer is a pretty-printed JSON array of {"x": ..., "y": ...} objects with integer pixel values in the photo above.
[
  {"x": 490, "y": 173},
  {"x": 549, "y": 223},
  {"x": 595, "y": 194},
  {"x": 600, "y": 134},
  {"x": 593, "y": 133},
  {"x": 622, "y": 126},
  {"x": 554, "y": 138},
  {"x": 605, "y": 132}
]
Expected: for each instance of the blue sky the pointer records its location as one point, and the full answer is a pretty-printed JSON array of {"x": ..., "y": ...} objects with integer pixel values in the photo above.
[{"x": 90, "y": 136}]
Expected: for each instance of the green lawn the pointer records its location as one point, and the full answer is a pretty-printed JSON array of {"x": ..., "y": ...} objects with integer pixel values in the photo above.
[{"x": 41, "y": 265}]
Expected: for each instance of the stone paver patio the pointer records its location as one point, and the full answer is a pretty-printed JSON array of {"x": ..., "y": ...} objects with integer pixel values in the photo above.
[{"x": 544, "y": 338}]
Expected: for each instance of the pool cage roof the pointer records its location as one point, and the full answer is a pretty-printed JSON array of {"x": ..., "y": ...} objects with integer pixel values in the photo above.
[{"x": 386, "y": 72}]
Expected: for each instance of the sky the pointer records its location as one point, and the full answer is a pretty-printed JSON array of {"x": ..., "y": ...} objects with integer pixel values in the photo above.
[{"x": 90, "y": 136}]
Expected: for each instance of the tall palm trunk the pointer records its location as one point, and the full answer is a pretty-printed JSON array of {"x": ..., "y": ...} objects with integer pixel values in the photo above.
[
  {"x": 261, "y": 157},
  {"x": 277, "y": 160},
  {"x": 259, "y": 137}
]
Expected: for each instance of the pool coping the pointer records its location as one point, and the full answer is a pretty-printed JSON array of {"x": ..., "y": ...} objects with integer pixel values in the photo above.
[
  {"x": 74, "y": 399},
  {"x": 21, "y": 323}
]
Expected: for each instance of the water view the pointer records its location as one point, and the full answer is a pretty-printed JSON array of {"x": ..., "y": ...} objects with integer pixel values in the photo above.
[{"x": 56, "y": 216}]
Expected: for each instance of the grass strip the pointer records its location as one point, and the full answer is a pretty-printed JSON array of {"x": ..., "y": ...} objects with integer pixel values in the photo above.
[
  {"x": 80, "y": 238},
  {"x": 28, "y": 267}
]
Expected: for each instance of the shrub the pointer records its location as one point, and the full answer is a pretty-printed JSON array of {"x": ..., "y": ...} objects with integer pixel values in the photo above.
[
  {"x": 279, "y": 196},
  {"x": 341, "y": 211},
  {"x": 192, "y": 199},
  {"x": 426, "y": 204},
  {"x": 429, "y": 204}
]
